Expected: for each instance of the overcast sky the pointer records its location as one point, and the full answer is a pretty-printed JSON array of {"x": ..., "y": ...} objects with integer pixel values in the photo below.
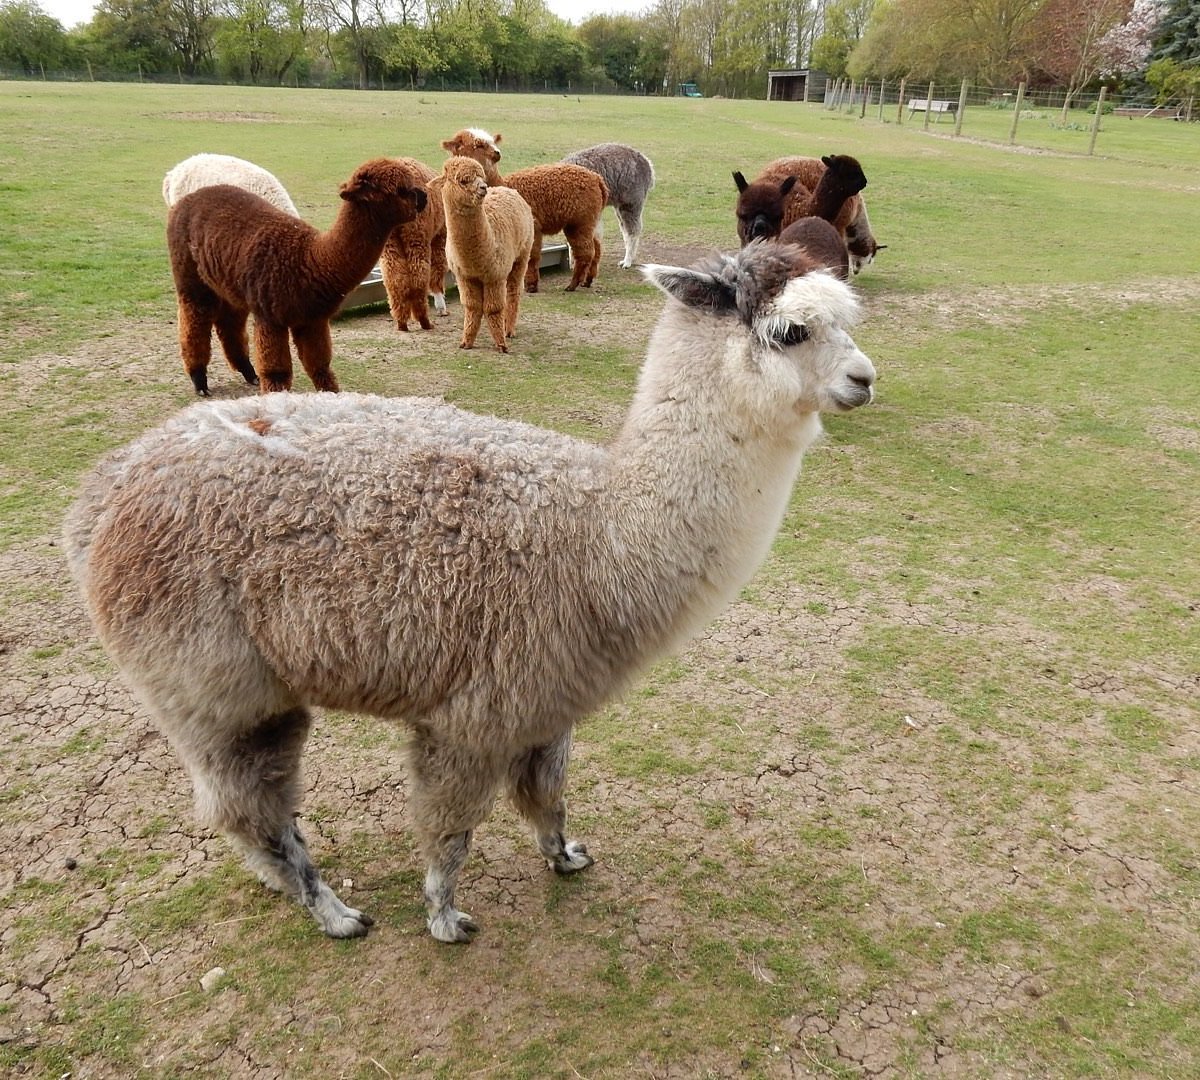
[{"x": 71, "y": 12}]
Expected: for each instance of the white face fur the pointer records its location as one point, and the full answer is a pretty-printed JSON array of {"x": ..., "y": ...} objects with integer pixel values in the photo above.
[{"x": 809, "y": 317}]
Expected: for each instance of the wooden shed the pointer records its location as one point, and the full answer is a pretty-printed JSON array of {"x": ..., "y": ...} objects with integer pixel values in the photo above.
[{"x": 796, "y": 84}]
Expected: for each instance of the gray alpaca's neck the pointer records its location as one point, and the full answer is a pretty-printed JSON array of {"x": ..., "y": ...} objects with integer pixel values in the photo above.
[{"x": 349, "y": 249}]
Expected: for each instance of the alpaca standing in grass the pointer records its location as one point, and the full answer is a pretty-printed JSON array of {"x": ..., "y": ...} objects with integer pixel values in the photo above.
[
  {"x": 413, "y": 261},
  {"x": 233, "y": 254},
  {"x": 792, "y": 188},
  {"x": 564, "y": 198},
  {"x": 486, "y": 582},
  {"x": 489, "y": 238},
  {"x": 629, "y": 175},
  {"x": 204, "y": 170}
]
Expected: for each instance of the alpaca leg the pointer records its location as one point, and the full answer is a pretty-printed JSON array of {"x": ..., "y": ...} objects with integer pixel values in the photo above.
[
  {"x": 512, "y": 297},
  {"x": 248, "y": 786},
  {"x": 195, "y": 342},
  {"x": 231, "y": 330},
  {"x": 594, "y": 266},
  {"x": 494, "y": 301},
  {"x": 395, "y": 282},
  {"x": 272, "y": 358},
  {"x": 535, "y": 784},
  {"x": 437, "y": 273},
  {"x": 581, "y": 244},
  {"x": 418, "y": 278},
  {"x": 534, "y": 265},
  {"x": 314, "y": 346},
  {"x": 630, "y": 218},
  {"x": 452, "y": 793},
  {"x": 471, "y": 292}
]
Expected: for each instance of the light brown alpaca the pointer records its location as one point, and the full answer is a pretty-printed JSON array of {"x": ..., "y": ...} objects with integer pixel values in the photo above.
[
  {"x": 489, "y": 237},
  {"x": 413, "y": 262},
  {"x": 233, "y": 254},
  {"x": 564, "y": 198}
]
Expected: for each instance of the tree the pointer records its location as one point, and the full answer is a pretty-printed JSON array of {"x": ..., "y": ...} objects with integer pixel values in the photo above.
[
  {"x": 1179, "y": 33},
  {"x": 1126, "y": 47},
  {"x": 188, "y": 26},
  {"x": 1068, "y": 38},
  {"x": 261, "y": 39},
  {"x": 846, "y": 22},
  {"x": 31, "y": 39},
  {"x": 128, "y": 36}
]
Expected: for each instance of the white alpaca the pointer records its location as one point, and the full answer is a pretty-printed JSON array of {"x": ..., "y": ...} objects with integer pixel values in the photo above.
[
  {"x": 204, "y": 170},
  {"x": 487, "y": 582}
]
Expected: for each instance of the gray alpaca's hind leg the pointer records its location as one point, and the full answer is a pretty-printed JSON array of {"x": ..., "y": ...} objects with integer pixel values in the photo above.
[
  {"x": 248, "y": 787},
  {"x": 452, "y": 792},
  {"x": 536, "y": 783},
  {"x": 630, "y": 219}
]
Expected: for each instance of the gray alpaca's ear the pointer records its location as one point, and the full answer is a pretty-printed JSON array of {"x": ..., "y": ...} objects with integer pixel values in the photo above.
[
  {"x": 694, "y": 288},
  {"x": 740, "y": 181}
]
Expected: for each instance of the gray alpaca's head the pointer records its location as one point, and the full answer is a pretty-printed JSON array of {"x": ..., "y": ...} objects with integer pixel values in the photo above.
[{"x": 769, "y": 314}]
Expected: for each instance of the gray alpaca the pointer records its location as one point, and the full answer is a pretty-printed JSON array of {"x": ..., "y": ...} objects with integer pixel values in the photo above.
[
  {"x": 485, "y": 582},
  {"x": 630, "y": 177}
]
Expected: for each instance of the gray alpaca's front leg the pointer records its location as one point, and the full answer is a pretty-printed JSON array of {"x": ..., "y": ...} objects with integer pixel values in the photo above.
[
  {"x": 445, "y": 921},
  {"x": 536, "y": 784}
]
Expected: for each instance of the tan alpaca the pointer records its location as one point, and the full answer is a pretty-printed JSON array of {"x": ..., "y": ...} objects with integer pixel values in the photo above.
[
  {"x": 413, "y": 262},
  {"x": 489, "y": 236}
]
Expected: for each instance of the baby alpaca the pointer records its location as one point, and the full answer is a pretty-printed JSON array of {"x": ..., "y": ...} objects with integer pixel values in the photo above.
[
  {"x": 204, "y": 170},
  {"x": 483, "y": 581},
  {"x": 489, "y": 239},
  {"x": 413, "y": 262},
  {"x": 629, "y": 176},
  {"x": 564, "y": 198},
  {"x": 233, "y": 254}
]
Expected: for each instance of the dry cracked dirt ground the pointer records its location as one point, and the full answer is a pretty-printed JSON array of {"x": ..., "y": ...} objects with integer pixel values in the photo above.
[{"x": 117, "y": 903}]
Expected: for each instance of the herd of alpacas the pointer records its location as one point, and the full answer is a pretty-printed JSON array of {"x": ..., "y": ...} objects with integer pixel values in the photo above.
[{"x": 485, "y": 582}]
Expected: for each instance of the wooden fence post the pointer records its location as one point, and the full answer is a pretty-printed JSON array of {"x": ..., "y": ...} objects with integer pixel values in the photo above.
[
  {"x": 1096, "y": 119},
  {"x": 900, "y": 106},
  {"x": 962, "y": 108},
  {"x": 882, "y": 88},
  {"x": 866, "y": 95},
  {"x": 928, "y": 106},
  {"x": 1012, "y": 135}
]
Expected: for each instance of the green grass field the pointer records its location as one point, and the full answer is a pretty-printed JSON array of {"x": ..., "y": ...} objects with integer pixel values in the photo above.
[{"x": 924, "y": 803}]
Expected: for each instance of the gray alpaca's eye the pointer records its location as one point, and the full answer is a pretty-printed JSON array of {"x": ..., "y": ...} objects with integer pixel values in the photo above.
[{"x": 794, "y": 335}]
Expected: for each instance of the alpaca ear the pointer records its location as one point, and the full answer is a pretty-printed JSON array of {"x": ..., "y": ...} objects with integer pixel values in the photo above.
[
  {"x": 694, "y": 288},
  {"x": 356, "y": 188},
  {"x": 419, "y": 198},
  {"x": 450, "y": 145},
  {"x": 740, "y": 181},
  {"x": 787, "y": 185},
  {"x": 827, "y": 161},
  {"x": 496, "y": 138}
]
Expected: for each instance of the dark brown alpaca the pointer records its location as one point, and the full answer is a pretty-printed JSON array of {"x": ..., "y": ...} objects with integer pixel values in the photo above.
[
  {"x": 792, "y": 188},
  {"x": 821, "y": 242},
  {"x": 233, "y": 255}
]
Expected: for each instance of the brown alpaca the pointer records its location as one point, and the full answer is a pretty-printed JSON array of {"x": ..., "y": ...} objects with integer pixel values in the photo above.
[
  {"x": 489, "y": 237},
  {"x": 414, "y": 259},
  {"x": 791, "y": 188},
  {"x": 564, "y": 198},
  {"x": 233, "y": 254},
  {"x": 821, "y": 242}
]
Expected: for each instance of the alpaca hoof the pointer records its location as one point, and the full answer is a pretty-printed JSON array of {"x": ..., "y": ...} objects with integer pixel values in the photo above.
[
  {"x": 351, "y": 925},
  {"x": 465, "y": 345},
  {"x": 625, "y": 264},
  {"x": 571, "y": 288},
  {"x": 453, "y": 926},
  {"x": 574, "y": 858},
  {"x": 531, "y": 288}
]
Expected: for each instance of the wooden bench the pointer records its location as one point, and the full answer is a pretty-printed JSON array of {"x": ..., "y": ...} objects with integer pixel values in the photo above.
[{"x": 936, "y": 107}]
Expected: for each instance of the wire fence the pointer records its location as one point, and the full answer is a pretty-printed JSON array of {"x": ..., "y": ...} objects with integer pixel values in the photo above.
[{"x": 946, "y": 106}]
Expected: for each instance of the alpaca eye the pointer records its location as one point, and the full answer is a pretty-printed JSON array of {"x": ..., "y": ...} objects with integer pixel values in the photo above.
[{"x": 794, "y": 335}]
